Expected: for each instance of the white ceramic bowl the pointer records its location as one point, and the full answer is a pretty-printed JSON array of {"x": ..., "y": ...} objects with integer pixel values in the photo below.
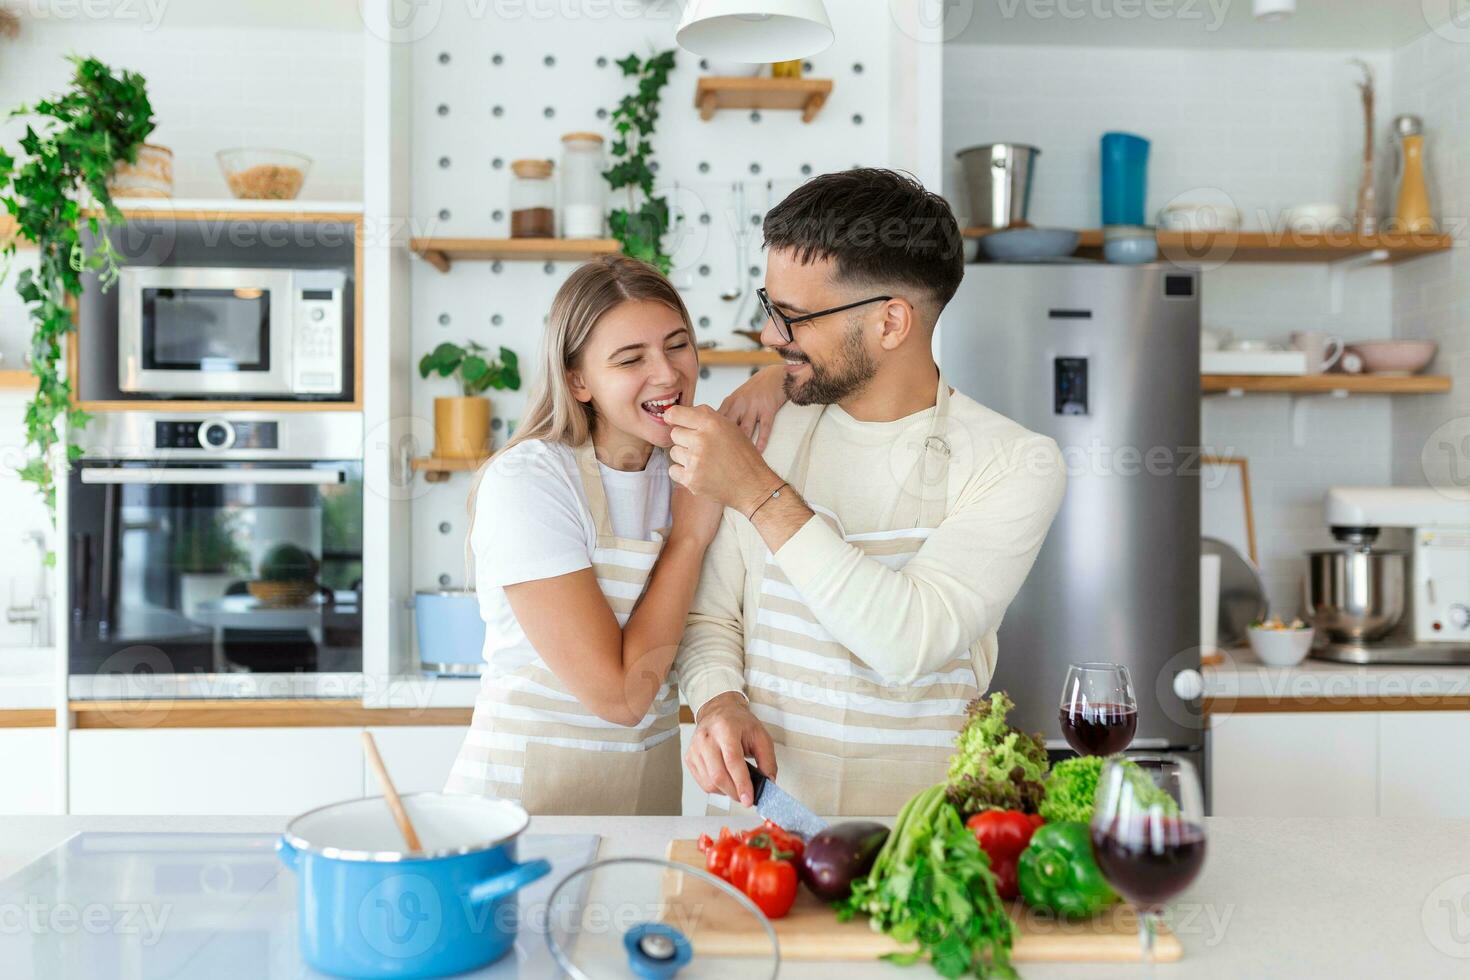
[
  {"x": 1316, "y": 218},
  {"x": 1199, "y": 217},
  {"x": 1281, "y": 648}
]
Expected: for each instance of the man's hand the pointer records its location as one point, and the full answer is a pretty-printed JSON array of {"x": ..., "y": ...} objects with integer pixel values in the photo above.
[
  {"x": 726, "y": 732},
  {"x": 713, "y": 458}
]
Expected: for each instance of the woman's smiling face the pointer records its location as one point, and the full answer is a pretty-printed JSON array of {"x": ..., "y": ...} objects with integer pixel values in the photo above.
[{"x": 639, "y": 360}]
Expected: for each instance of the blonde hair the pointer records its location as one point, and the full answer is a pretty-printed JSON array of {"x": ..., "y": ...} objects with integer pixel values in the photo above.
[{"x": 553, "y": 413}]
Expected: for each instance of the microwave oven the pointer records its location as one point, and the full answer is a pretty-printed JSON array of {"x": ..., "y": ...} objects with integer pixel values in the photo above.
[{"x": 242, "y": 333}]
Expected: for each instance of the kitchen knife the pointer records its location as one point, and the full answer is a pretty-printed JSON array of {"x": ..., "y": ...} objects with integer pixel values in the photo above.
[{"x": 781, "y": 808}]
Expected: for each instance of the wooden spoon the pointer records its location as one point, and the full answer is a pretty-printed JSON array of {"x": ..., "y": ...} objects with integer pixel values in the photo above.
[{"x": 400, "y": 815}]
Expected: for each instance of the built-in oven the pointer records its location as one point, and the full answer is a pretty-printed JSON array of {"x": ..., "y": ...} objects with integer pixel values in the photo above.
[
  {"x": 237, "y": 333},
  {"x": 208, "y": 546}
]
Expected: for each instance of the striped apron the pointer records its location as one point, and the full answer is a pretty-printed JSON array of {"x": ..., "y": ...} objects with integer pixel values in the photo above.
[
  {"x": 533, "y": 741},
  {"x": 847, "y": 744}
]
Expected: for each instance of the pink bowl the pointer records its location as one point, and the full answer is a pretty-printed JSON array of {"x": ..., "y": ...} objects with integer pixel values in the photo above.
[{"x": 1395, "y": 356}]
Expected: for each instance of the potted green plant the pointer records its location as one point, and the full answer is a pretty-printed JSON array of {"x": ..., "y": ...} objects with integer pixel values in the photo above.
[
  {"x": 462, "y": 424},
  {"x": 208, "y": 559},
  {"x": 54, "y": 190},
  {"x": 286, "y": 576},
  {"x": 640, "y": 227}
]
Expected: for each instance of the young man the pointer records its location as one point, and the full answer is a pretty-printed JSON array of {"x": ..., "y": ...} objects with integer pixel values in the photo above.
[{"x": 848, "y": 606}]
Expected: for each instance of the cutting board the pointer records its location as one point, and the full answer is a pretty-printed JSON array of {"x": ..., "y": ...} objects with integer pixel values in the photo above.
[{"x": 810, "y": 931}]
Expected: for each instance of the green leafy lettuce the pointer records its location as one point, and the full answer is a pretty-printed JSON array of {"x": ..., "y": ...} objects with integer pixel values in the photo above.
[
  {"x": 1071, "y": 789},
  {"x": 995, "y": 766}
]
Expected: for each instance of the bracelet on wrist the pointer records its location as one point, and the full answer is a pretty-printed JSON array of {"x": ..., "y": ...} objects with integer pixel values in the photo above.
[{"x": 769, "y": 497}]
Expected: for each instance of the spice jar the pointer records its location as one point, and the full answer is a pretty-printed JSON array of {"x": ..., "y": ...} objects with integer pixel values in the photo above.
[
  {"x": 583, "y": 190},
  {"x": 532, "y": 200}
]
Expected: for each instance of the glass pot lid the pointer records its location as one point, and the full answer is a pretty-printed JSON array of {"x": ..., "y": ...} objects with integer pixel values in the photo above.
[{"x": 647, "y": 919}]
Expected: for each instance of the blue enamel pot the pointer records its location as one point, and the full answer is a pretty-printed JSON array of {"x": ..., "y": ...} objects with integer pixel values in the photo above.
[{"x": 368, "y": 908}]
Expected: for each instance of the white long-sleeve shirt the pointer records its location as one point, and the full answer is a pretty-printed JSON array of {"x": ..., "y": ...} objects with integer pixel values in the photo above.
[{"x": 1004, "y": 487}]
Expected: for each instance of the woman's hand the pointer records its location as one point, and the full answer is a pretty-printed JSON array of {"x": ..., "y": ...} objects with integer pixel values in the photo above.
[
  {"x": 754, "y": 404},
  {"x": 695, "y": 518}
]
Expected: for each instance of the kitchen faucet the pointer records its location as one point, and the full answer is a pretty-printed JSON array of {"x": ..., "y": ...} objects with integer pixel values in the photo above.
[{"x": 38, "y": 613}]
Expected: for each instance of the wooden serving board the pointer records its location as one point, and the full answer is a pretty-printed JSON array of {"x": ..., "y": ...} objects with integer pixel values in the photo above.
[{"x": 810, "y": 931}]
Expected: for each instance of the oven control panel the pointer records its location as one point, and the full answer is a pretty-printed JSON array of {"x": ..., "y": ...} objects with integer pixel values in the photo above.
[{"x": 214, "y": 434}]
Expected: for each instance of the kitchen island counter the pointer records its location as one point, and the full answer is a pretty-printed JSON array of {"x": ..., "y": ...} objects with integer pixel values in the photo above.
[{"x": 1308, "y": 897}]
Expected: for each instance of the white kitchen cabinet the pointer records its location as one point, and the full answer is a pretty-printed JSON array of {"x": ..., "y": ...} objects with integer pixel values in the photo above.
[
  {"x": 1307, "y": 764},
  {"x": 1418, "y": 774},
  {"x": 418, "y": 757},
  {"x": 28, "y": 773},
  {"x": 213, "y": 770}
]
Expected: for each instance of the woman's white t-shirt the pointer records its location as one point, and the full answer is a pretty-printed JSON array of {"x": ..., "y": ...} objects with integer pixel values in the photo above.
[{"x": 532, "y": 521}]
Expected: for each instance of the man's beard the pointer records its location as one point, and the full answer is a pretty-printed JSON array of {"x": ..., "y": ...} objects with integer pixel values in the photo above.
[{"x": 854, "y": 367}]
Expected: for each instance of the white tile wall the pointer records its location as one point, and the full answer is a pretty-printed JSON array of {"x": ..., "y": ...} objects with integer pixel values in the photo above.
[
  {"x": 1268, "y": 129},
  {"x": 212, "y": 89},
  {"x": 1431, "y": 296}
]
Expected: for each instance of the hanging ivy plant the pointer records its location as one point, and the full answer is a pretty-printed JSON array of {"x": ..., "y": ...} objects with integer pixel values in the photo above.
[
  {"x": 640, "y": 226},
  {"x": 53, "y": 191}
]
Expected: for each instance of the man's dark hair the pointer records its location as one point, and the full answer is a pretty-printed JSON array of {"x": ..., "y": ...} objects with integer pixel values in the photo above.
[{"x": 878, "y": 226}]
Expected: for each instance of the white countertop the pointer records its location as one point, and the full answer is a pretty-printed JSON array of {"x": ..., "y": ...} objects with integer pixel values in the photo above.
[
  {"x": 1242, "y": 675},
  {"x": 27, "y": 677},
  {"x": 1303, "y": 898}
]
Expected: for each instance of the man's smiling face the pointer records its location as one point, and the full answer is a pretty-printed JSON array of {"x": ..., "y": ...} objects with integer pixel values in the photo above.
[{"x": 830, "y": 358}]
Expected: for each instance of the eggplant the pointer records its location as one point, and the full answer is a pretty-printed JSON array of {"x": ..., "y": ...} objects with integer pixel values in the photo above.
[{"x": 836, "y": 857}]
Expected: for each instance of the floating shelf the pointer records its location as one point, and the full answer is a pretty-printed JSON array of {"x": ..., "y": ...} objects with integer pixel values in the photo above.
[
  {"x": 442, "y": 252},
  {"x": 436, "y": 469},
  {"x": 738, "y": 358},
  {"x": 1188, "y": 247},
  {"x": 1325, "y": 384},
  {"x": 17, "y": 380},
  {"x": 805, "y": 94}
]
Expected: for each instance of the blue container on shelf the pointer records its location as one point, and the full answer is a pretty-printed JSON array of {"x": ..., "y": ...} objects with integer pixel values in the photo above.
[
  {"x": 450, "y": 631},
  {"x": 1124, "y": 178}
]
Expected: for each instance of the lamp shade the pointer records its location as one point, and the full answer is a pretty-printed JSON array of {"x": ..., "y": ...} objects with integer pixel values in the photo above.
[{"x": 754, "y": 30}]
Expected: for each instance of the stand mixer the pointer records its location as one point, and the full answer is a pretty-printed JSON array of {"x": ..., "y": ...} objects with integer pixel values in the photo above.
[{"x": 1367, "y": 606}]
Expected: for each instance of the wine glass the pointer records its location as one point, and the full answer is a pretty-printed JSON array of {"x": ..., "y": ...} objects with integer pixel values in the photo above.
[
  {"x": 1099, "y": 713},
  {"x": 1148, "y": 833}
]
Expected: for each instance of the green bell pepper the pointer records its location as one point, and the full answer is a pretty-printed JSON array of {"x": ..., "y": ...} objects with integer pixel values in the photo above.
[{"x": 1057, "y": 873}]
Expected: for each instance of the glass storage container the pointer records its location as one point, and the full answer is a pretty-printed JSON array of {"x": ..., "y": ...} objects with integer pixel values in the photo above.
[
  {"x": 532, "y": 200},
  {"x": 583, "y": 189}
]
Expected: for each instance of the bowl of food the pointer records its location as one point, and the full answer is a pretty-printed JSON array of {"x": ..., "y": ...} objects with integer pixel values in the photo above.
[
  {"x": 263, "y": 175},
  {"x": 1279, "y": 644}
]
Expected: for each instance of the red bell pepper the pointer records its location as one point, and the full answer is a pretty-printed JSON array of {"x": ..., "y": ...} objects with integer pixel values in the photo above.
[{"x": 1003, "y": 835}]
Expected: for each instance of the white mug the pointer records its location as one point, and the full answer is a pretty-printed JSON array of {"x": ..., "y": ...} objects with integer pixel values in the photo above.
[{"x": 1323, "y": 350}]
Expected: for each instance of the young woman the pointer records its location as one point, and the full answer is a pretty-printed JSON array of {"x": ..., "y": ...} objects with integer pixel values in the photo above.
[{"x": 586, "y": 557}]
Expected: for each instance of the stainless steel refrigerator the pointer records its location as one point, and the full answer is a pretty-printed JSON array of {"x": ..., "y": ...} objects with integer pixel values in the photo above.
[{"x": 1105, "y": 360}]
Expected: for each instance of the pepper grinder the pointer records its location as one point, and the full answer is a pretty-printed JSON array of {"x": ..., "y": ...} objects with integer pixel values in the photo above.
[{"x": 1411, "y": 200}]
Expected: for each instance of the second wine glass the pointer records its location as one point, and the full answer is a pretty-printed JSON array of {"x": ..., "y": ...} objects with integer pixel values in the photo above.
[{"x": 1099, "y": 713}]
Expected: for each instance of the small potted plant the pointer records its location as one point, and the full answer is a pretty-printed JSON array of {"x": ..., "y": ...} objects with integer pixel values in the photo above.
[
  {"x": 286, "y": 576},
  {"x": 462, "y": 424},
  {"x": 208, "y": 560}
]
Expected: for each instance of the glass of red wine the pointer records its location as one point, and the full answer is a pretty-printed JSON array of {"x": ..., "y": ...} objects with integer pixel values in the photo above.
[
  {"x": 1148, "y": 833},
  {"x": 1099, "y": 713}
]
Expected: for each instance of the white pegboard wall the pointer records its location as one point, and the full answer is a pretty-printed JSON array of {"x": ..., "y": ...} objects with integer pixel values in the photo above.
[{"x": 489, "y": 89}]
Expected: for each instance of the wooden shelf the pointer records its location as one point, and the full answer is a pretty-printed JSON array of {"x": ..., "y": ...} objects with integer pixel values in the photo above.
[
  {"x": 436, "y": 469},
  {"x": 1189, "y": 248},
  {"x": 441, "y": 253},
  {"x": 807, "y": 95},
  {"x": 17, "y": 381},
  {"x": 1310, "y": 384},
  {"x": 738, "y": 358}
]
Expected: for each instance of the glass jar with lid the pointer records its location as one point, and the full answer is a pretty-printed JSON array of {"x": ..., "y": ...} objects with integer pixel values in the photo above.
[
  {"x": 532, "y": 200},
  {"x": 583, "y": 189}
]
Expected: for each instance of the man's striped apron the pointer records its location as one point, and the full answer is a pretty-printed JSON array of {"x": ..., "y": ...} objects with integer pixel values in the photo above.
[
  {"x": 531, "y": 740},
  {"x": 847, "y": 744}
]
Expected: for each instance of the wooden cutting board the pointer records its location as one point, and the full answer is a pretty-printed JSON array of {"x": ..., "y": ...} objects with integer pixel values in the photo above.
[{"x": 810, "y": 931}]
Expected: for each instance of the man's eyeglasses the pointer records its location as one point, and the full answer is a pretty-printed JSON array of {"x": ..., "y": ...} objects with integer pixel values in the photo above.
[{"x": 784, "y": 323}]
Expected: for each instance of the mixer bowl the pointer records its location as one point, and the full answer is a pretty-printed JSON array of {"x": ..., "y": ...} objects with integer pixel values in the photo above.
[{"x": 1354, "y": 594}]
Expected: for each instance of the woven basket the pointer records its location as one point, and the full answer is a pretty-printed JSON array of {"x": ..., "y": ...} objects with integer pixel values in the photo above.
[{"x": 282, "y": 595}]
